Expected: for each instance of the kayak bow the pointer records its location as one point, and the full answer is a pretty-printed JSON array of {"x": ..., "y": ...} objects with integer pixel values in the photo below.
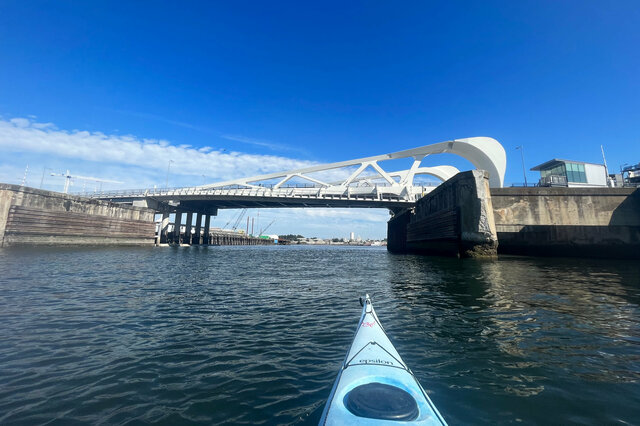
[{"x": 374, "y": 386}]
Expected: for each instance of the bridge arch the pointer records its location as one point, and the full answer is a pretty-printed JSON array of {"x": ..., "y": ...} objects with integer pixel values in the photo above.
[
  {"x": 383, "y": 189},
  {"x": 483, "y": 152}
]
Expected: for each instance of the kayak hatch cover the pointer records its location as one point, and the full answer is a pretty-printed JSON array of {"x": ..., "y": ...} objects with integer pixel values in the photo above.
[{"x": 374, "y": 386}]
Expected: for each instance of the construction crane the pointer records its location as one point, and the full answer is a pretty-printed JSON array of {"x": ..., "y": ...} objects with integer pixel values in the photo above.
[
  {"x": 266, "y": 227},
  {"x": 240, "y": 216},
  {"x": 237, "y": 220},
  {"x": 68, "y": 178}
]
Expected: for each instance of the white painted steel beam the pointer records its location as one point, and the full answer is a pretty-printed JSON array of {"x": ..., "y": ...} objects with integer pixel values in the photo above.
[
  {"x": 483, "y": 152},
  {"x": 383, "y": 187}
]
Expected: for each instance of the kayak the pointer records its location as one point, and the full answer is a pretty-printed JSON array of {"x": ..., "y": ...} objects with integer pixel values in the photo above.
[{"x": 374, "y": 386}]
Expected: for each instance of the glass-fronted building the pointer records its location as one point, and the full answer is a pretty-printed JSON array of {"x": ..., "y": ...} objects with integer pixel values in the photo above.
[{"x": 558, "y": 172}]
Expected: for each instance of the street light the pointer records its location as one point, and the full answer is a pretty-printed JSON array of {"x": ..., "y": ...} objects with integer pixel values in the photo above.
[
  {"x": 166, "y": 185},
  {"x": 524, "y": 173}
]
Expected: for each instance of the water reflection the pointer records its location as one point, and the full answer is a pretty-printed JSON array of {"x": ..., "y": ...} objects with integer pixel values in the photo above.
[
  {"x": 522, "y": 326},
  {"x": 256, "y": 334}
]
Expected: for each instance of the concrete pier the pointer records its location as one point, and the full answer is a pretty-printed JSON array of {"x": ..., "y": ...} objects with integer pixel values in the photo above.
[
  {"x": 163, "y": 229},
  {"x": 187, "y": 229},
  {"x": 207, "y": 223},
  {"x": 220, "y": 237},
  {"x": 30, "y": 216},
  {"x": 177, "y": 235},
  {"x": 464, "y": 217},
  {"x": 455, "y": 219},
  {"x": 198, "y": 236},
  {"x": 397, "y": 231}
]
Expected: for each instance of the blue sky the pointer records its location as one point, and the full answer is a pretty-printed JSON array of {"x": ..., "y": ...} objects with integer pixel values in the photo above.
[{"x": 265, "y": 86}]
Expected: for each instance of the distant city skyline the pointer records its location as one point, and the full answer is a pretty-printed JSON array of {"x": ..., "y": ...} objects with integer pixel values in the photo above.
[{"x": 195, "y": 94}]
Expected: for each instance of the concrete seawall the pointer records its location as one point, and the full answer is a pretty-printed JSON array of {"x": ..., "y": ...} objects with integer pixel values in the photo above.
[
  {"x": 463, "y": 217},
  {"x": 31, "y": 216},
  {"x": 590, "y": 222}
]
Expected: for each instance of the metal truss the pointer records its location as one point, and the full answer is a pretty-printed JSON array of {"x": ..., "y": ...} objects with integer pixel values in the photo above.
[
  {"x": 366, "y": 183},
  {"x": 484, "y": 153}
]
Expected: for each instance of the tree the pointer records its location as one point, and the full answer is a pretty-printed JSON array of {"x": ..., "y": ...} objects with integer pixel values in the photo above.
[{"x": 291, "y": 237}]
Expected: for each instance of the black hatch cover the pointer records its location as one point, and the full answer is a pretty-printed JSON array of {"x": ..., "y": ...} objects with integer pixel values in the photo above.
[{"x": 380, "y": 401}]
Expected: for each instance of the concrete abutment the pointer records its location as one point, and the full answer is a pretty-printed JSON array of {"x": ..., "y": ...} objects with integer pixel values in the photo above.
[
  {"x": 464, "y": 217},
  {"x": 30, "y": 216},
  {"x": 455, "y": 219},
  {"x": 576, "y": 222}
]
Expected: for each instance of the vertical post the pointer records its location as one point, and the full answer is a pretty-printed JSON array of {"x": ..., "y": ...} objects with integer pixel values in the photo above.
[
  {"x": 158, "y": 225},
  {"x": 606, "y": 169},
  {"x": 187, "y": 228},
  {"x": 524, "y": 173},
  {"x": 198, "y": 227},
  {"x": 207, "y": 225},
  {"x": 164, "y": 228},
  {"x": 176, "y": 228},
  {"x": 159, "y": 232}
]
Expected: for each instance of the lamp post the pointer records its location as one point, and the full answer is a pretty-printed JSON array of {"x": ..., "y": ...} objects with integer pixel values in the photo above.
[
  {"x": 166, "y": 185},
  {"x": 524, "y": 173}
]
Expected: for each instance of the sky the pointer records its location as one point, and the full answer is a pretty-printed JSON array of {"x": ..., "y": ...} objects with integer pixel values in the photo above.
[{"x": 114, "y": 90}]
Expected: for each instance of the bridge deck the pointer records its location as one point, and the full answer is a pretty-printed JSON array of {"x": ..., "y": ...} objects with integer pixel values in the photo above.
[{"x": 233, "y": 198}]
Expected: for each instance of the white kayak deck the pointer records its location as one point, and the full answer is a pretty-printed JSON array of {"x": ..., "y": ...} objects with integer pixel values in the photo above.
[{"x": 373, "y": 359}]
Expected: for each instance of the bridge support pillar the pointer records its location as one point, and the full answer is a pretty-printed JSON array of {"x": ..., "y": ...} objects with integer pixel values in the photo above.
[
  {"x": 198, "y": 229},
  {"x": 455, "y": 219},
  {"x": 207, "y": 223},
  {"x": 163, "y": 229},
  {"x": 176, "y": 229},
  {"x": 187, "y": 228}
]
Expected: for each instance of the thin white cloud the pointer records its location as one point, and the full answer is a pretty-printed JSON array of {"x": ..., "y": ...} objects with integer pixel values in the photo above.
[
  {"x": 144, "y": 163},
  {"x": 160, "y": 118},
  {"x": 236, "y": 138},
  {"x": 23, "y": 135},
  {"x": 263, "y": 143},
  {"x": 43, "y": 125},
  {"x": 20, "y": 122}
]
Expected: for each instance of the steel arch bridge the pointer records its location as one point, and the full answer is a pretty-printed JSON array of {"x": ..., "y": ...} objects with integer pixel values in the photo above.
[{"x": 366, "y": 184}]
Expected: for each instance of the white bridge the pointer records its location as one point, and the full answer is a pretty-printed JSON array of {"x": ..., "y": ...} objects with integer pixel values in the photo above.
[{"x": 354, "y": 183}]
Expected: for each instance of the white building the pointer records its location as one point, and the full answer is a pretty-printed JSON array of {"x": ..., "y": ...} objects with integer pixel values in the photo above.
[{"x": 574, "y": 174}]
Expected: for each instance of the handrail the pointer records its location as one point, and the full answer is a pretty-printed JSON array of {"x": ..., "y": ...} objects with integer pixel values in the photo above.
[{"x": 381, "y": 193}]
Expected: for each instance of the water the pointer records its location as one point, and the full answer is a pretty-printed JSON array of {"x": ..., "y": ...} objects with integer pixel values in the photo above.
[{"x": 256, "y": 334}]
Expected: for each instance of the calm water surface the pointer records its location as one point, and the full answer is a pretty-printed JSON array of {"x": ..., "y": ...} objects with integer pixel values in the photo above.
[{"x": 209, "y": 335}]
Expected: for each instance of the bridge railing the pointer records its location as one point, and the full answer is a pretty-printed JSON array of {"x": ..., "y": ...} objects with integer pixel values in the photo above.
[{"x": 383, "y": 192}]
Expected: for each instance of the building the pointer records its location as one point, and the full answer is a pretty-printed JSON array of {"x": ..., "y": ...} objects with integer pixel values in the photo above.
[
  {"x": 574, "y": 174},
  {"x": 631, "y": 175}
]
